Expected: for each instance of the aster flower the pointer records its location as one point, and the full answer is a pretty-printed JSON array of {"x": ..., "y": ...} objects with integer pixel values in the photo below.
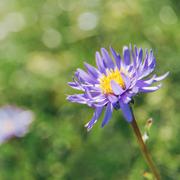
[
  {"x": 14, "y": 122},
  {"x": 115, "y": 81}
]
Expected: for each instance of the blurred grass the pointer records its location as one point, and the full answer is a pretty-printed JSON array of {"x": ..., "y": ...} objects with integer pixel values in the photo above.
[{"x": 41, "y": 45}]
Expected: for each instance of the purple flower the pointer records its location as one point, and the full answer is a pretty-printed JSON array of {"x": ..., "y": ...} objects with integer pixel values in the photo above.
[
  {"x": 14, "y": 122},
  {"x": 114, "y": 82}
]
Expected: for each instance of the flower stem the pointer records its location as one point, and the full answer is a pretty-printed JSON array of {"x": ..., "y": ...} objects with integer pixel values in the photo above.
[{"x": 144, "y": 149}]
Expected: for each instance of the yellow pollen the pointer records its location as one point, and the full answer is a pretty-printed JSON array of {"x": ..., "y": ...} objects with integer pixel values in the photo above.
[{"x": 105, "y": 81}]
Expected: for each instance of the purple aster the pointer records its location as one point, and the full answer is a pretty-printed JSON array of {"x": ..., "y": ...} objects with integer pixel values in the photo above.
[
  {"x": 14, "y": 122},
  {"x": 115, "y": 81}
]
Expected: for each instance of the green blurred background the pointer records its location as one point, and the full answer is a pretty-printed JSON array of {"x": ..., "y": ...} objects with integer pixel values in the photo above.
[{"x": 42, "y": 42}]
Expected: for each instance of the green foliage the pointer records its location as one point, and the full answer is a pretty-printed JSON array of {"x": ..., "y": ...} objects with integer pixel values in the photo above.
[{"x": 41, "y": 44}]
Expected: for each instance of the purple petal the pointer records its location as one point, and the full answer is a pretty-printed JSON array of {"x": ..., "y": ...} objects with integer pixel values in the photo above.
[
  {"x": 75, "y": 85},
  {"x": 136, "y": 50},
  {"x": 130, "y": 69},
  {"x": 126, "y": 80},
  {"x": 145, "y": 63},
  {"x": 126, "y": 54},
  {"x": 85, "y": 76},
  {"x": 108, "y": 114},
  {"x": 126, "y": 110},
  {"x": 77, "y": 98},
  {"x": 126, "y": 98},
  {"x": 133, "y": 55},
  {"x": 107, "y": 59},
  {"x": 146, "y": 72},
  {"x": 151, "y": 80},
  {"x": 140, "y": 55},
  {"x": 98, "y": 97},
  {"x": 147, "y": 67},
  {"x": 150, "y": 89},
  {"x": 141, "y": 83},
  {"x": 101, "y": 103},
  {"x": 153, "y": 64},
  {"x": 117, "y": 58},
  {"x": 100, "y": 64},
  {"x": 92, "y": 88},
  {"x": 160, "y": 78},
  {"x": 151, "y": 57},
  {"x": 94, "y": 119},
  {"x": 87, "y": 93},
  {"x": 98, "y": 100},
  {"x": 112, "y": 98},
  {"x": 92, "y": 70},
  {"x": 116, "y": 88},
  {"x": 134, "y": 90}
]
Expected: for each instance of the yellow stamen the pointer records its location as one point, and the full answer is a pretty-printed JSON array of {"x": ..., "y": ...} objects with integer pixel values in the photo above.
[{"x": 105, "y": 81}]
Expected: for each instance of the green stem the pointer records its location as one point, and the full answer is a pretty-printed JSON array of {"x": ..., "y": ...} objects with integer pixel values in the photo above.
[{"x": 144, "y": 149}]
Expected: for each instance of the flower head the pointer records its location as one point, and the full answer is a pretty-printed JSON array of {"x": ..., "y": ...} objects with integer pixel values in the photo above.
[
  {"x": 14, "y": 122},
  {"x": 115, "y": 81}
]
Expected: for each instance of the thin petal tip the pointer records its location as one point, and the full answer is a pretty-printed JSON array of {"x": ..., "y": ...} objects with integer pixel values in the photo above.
[
  {"x": 125, "y": 47},
  {"x": 68, "y": 98},
  {"x": 87, "y": 128}
]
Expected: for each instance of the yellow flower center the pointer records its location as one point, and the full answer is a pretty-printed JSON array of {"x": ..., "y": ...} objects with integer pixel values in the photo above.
[{"x": 105, "y": 81}]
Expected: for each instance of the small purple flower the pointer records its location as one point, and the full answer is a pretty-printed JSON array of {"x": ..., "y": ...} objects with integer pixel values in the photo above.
[
  {"x": 14, "y": 122},
  {"x": 114, "y": 82}
]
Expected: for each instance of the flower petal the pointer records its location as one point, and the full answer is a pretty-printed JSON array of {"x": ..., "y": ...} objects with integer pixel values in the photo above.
[
  {"x": 141, "y": 83},
  {"x": 126, "y": 54},
  {"x": 94, "y": 119},
  {"x": 92, "y": 70},
  {"x": 126, "y": 80},
  {"x": 146, "y": 72},
  {"x": 74, "y": 85},
  {"x": 126, "y": 110},
  {"x": 101, "y": 103},
  {"x": 150, "y": 89},
  {"x": 116, "y": 88},
  {"x": 114, "y": 101},
  {"x": 117, "y": 58},
  {"x": 107, "y": 59},
  {"x": 112, "y": 98},
  {"x": 144, "y": 64},
  {"x": 160, "y": 78},
  {"x": 140, "y": 56},
  {"x": 134, "y": 90},
  {"x": 126, "y": 98},
  {"x": 132, "y": 54},
  {"x": 77, "y": 98},
  {"x": 85, "y": 77},
  {"x": 100, "y": 63},
  {"x": 108, "y": 114}
]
